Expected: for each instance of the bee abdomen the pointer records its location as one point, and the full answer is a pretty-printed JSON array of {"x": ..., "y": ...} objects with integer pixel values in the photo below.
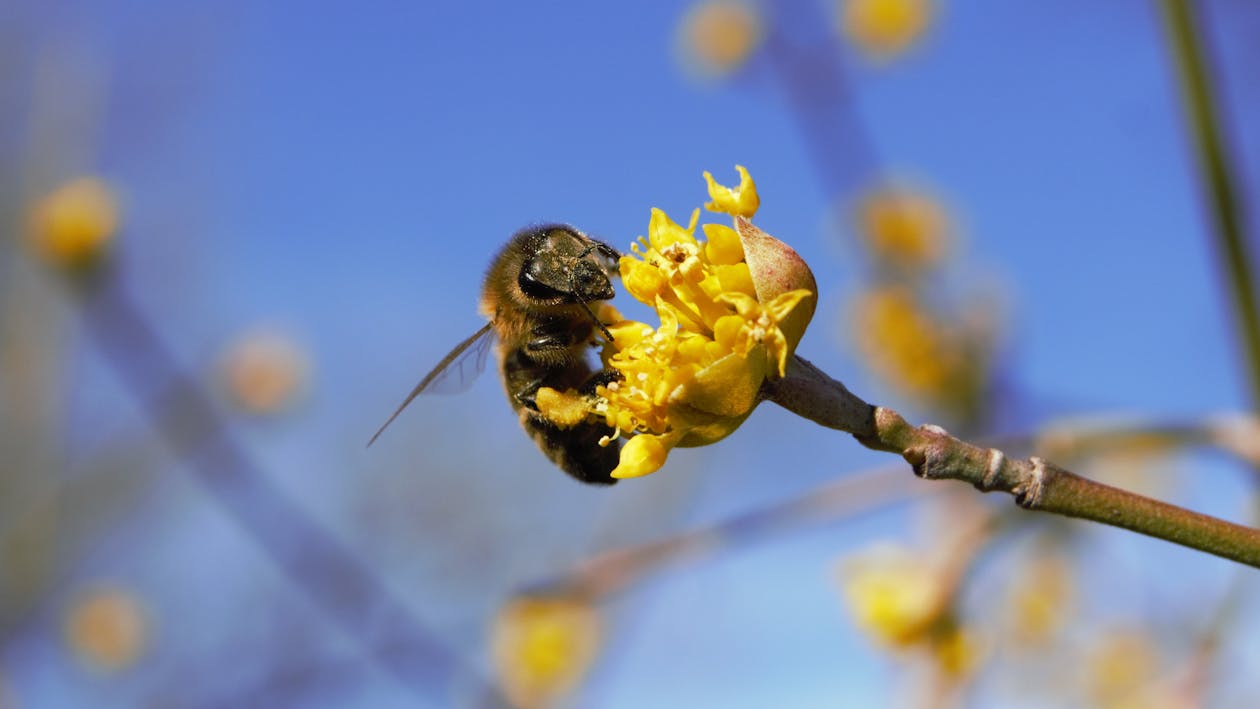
[{"x": 575, "y": 450}]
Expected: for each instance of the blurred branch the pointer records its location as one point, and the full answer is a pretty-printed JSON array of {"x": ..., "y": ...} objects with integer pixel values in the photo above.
[
  {"x": 610, "y": 572},
  {"x": 72, "y": 512},
  {"x": 1036, "y": 484},
  {"x": 813, "y": 77},
  {"x": 330, "y": 679},
  {"x": 1198, "y": 96},
  {"x": 1199, "y": 102},
  {"x": 1073, "y": 438},
  {"x": 329, "y": 574},
  {"x": 29, "y": 389}
]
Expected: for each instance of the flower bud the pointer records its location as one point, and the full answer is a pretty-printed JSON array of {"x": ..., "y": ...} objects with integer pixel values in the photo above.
[{"x": 777, "y": 269}]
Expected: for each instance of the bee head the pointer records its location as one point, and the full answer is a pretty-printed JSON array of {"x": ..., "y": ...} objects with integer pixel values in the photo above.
[
  {"x": 566, "y": 266},
  {"x": 589, "y": 281}
]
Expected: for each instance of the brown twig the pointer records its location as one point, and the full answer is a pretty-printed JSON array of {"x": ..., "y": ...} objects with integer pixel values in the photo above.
[{"x": 1035, "y": 483}]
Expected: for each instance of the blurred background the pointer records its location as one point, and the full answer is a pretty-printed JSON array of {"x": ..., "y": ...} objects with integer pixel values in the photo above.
[{"x": 238, "y": 233}]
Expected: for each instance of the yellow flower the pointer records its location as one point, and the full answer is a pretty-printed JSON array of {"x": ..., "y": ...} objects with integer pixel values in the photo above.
[
  {"x": 902, "y": 342},
  {"x": 1040, "y": 599},
  {"x": 543, "y": 646},
  {"x": 955, "y": 649},
  {"x": 72, "y": 226},
  {"x": 903, "y": 228},
  {"x": 939, "y": 363},
  {"x": 732, "y": 310},
  {"x": 718, "y": 36},
  {"x": 106, "y": 628},
  {"x": 263, "y": 372},
  {"x": 1120, "y": 666},
  {"x": 885, "y": 28},
  {"x": 895, "y": 596}
]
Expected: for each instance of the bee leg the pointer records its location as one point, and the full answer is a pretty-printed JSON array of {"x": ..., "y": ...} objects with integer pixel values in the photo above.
[
  {"x": 550, "y": 336},
  {"x": 527, "y": 397},
  {"x": 604, "y": 377}
]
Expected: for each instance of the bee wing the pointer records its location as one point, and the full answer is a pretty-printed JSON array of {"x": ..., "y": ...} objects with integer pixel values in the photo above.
[{"x": 454, "y": 373}]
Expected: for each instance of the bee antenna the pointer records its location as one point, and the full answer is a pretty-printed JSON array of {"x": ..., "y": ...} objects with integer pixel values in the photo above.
[
  {"x": 602, "y": 328},
  {"x": 609, "y": 252},
  {"x": 583, "y": 302},
  {"x": 601, "y": 247}
]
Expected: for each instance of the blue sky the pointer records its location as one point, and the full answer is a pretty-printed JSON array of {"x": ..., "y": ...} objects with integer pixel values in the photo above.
[{"x": 344, "y": 176}]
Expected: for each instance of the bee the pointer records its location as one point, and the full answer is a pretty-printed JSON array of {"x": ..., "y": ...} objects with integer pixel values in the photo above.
[{"x": 536, "y": 296}]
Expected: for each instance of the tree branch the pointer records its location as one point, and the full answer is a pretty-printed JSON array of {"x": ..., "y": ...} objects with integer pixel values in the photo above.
[{"x": 1035, "y": 483}]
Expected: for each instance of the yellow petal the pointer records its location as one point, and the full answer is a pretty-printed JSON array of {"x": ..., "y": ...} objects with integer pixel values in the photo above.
[
  {"x": 723, "y": 247},
  {"x": 744, "y": 304},
  {"x": 726, "y": 332},
  {"x": 691, "y": 350},
  {"x": 663, "y": 231},
  {"x": 791, "y": 312},
  {"x": 703, "y": 434},
  {"x": 643, "y": 454},
  {"x": 739, "y": 202},
  {"x": 627, "y": 333},
  {"x": 728, "y": 387},
  {"x": 777, "y": 350},
  {"x": 785, "y": 302},
  {"x": 643, "y": 281},
  {"x": 736, "y": 278}
]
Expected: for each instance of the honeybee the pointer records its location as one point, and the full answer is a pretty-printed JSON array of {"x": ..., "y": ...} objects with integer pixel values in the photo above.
[{"x": 536, "y": 296}]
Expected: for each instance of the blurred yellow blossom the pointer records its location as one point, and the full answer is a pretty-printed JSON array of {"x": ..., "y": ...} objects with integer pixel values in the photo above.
[
  {"x": 107, "y": 628},
  {"x": 902, "y": 228},
  {"x": 1040, "y": 599},
  {"x": 902, "y": 599},
  {"x": 955, "y": 650},
  {"x": 1122, "y": 664},
  {"x": 542, "y": 647},
  {"x": 895, "y": 595},
  {"x": 884, "y": 28},
  {"x": 264, "y": 371},
  {"x": 718, "y": 36},
  {"x": 939, "y": 364},
  {"x": 732, "y": 310},
  {"x": 73, "y": 225}
]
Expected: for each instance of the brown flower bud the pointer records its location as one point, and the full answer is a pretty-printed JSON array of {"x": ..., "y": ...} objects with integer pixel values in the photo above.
[{"x": 776, "y": 269}]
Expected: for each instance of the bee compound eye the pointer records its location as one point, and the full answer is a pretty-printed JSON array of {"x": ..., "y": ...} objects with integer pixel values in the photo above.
[{"x": 532, "y": 281}]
